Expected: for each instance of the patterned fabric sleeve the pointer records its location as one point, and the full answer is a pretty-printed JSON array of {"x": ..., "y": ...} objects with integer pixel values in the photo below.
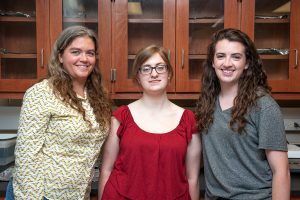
[{"x": 34, "y": 118}]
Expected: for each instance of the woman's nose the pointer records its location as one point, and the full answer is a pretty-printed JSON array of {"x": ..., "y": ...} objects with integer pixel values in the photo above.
[
  {"x": 153, "y": 72},
  {"x": 83, "y": 56},
  {"x": 227, "y": 62}
]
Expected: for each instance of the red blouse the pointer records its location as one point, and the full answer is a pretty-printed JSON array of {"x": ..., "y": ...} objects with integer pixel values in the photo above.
[{"x": 150, "y": 166}]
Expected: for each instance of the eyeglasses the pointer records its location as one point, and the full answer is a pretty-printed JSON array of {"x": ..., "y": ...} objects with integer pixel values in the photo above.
[{"x": 159, "y": 68}]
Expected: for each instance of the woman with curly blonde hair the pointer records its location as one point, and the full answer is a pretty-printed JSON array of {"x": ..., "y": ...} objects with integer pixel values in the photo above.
[
  {"x": 243, "y": 140},
  {"x": 64, "y": 121}
]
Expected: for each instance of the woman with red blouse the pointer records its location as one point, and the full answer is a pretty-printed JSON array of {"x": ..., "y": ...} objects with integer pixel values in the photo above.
[{"x": 153, "y": 150}]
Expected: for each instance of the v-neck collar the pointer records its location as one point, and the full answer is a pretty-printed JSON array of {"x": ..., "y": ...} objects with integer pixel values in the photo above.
[{"x": 228, "y": 110}]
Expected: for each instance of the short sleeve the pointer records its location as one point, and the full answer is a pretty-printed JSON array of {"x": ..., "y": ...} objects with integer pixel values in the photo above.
[
  {"x": 190, "y": 122},
  {"x": 271, "y": 128},
  {"x": 122, "y": 115}
]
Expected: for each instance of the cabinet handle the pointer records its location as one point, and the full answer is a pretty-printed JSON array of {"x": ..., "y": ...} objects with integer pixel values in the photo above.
[
  {"x": 42, "y": 58},
  {"x": 182, "y": 58},
  {"x": 113, "y": 75},
  {"x": 169, "y": 55},
  {"x": 296, "y": 58}
]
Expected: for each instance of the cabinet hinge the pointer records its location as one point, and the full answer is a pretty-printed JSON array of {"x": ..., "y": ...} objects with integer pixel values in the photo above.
[{"x": 113, "y": 75}]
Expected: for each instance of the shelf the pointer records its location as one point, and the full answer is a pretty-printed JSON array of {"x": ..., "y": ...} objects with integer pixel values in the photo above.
[
  {"x": 206, "y": 21},
  {"x": 145, "y": 21},
  {"x": 274, "y": 57},
  {"x": 131, "y": 57},
  {"x": 272, "y": 21},
  {"x": 17, "y": 19},
  {"x": 10, "y": 55},
  {"x": 80, "y": 20}
]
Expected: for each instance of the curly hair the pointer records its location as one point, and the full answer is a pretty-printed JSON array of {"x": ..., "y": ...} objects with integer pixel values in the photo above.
[
  {"x": 251, "y": 85},
  {"x": 62, "y": 83}
]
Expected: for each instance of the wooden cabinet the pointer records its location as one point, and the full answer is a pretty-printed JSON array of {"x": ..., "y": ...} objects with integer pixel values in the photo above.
[
  {"x": 23, "y": 45},
  {"x": 166, "y": 23},
  {"x": 94, "y": 14},
  {"x": 176, "y": 25},
  {"x": 135, "y": 25},
  {"x": 274, "y": 27},
  {"x": 183, "y": 27},
  {"x": 187, "y": 38},
  {"x": 196, "y": 21}
]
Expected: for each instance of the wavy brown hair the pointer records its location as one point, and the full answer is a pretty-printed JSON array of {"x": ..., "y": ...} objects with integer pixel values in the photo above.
[
  {"x": 252, "y": 83},
  {"x": 62, "y": 83}
]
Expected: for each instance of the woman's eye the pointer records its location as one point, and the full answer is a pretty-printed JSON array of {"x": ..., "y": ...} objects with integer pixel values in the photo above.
[
  {"x": 219, "y": 56},
  {"x": 236, "y": 57},
  {"x": 91, "y": 53},
  {"x": 161, "y": 68},
  {"x": 75, "y": 52},
  {"x": 146, "y": 69}
]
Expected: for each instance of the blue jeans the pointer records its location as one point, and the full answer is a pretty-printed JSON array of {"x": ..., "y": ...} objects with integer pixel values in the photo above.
[{"x": 10, "y": 191}]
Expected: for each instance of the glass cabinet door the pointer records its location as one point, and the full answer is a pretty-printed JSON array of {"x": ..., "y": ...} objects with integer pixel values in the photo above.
[
  {"x": 196, "y": 21},
  {"x": 83, "y": 13},
  {"x": 137, "y": 24},
  {"x": 94, "y": 14},
  {"x": 22, "y": 46},
  {"x": 272, "y": 37},
  {"x": 66, "y": 13}
]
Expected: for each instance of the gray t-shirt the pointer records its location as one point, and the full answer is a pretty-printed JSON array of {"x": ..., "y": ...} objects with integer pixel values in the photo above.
[{"x": 235, "y": 165}]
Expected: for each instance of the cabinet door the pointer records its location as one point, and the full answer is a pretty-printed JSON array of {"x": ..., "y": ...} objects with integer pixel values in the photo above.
[
  {"x": 196, "y": 21},
  {"x": 94, "y": 14},
  {"x": 137, "y": 24},
  {"x": 23, "y": 46},
  {"x": 276, "y": 32}
]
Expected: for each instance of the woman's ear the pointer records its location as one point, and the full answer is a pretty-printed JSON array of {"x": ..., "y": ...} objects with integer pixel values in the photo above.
[
  {"x": 246, "y": 66},
  {"x": 60, "y": 58}
]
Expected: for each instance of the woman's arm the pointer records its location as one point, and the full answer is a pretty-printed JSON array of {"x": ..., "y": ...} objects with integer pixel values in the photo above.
[
  {"x": 111, "y": 150},
  {"x": 278, "y": 161},
  {"x": 34, "y": 119},
  {"x": 193, "y": 166}
]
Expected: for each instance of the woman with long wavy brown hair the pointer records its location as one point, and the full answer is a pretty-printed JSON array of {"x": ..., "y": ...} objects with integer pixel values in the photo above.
[
  {"x": 63, "y": 124},
  {"x": 244, "y": 144}
]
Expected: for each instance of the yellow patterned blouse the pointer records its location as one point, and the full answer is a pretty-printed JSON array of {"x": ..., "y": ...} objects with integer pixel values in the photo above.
[{"x": 56, "y": 149}]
